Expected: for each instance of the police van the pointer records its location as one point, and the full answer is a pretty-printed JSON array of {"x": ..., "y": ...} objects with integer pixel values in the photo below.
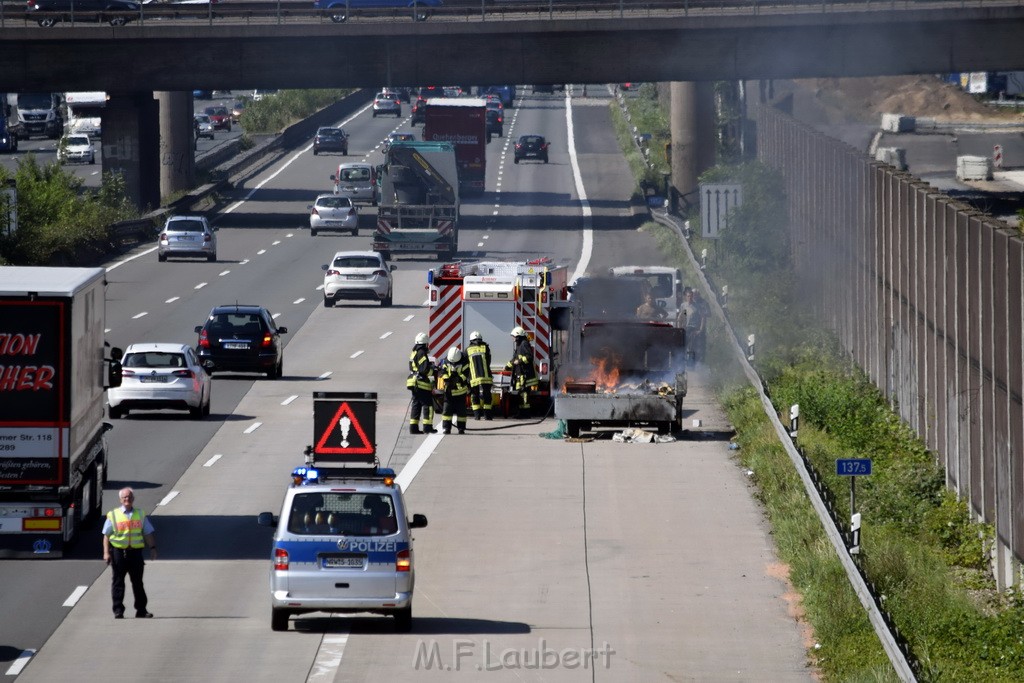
[{"x": 343, "y": 544}]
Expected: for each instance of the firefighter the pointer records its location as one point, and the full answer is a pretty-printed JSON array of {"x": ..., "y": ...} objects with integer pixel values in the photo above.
[
  {"x": 455, "y": 373},
  {"x": 480, "y": 380},
  {"x": 524, "y": 374},
  {"x": 420, "y": 383}
]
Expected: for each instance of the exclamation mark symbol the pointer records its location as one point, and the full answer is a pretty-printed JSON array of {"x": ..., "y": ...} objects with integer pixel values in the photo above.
[{"x": 344, "y": 424}]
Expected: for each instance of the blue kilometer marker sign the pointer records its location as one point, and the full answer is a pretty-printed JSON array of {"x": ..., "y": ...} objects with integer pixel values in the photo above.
[{"x": 853, "y": 467}]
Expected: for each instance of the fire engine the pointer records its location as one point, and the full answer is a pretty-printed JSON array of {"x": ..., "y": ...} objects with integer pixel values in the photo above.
[{"x": 493, "y": 297}]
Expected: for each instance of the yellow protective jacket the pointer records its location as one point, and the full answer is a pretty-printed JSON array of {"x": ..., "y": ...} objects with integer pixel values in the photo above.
[
  {"x": 128, "y": 529},
  {"x": 479, "y": 355}
]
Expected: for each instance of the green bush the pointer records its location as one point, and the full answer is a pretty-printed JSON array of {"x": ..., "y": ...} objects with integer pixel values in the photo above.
[{"x": 273, "y": 113}]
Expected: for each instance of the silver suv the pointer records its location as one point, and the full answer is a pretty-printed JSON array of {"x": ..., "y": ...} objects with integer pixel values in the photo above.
[
  {"x": 342, "y": 544},
  {"x": 187, "y": 236}
]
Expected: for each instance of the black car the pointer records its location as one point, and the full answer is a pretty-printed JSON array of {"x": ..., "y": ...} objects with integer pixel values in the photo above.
[
  {"x": 531, "y": 147},
  {"x": 115, "y": 12},
  {"x": 419, "y": 111},
  {"x": 495, "y": 123},
  {"x": 239, "y": 338},
  {"x": 330, "y": 140}
]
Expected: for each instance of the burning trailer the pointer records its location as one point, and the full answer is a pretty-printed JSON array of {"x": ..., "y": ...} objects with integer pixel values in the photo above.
[{"x": 621, "y": 373}]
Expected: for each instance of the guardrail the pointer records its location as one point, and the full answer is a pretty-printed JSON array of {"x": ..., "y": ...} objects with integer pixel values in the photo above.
[{"x": 302, "y": 11}]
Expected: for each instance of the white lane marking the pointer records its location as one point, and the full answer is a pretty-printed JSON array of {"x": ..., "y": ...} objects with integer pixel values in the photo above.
[
  {"x": 486, "y": 237},
  {"x": 495, "y": 213},
  {"x": 261, "y": 252},
  {"x": 328, "y": 658},
  {"x": 171, "y": 300},
  {"x": 200, "y": 285},
  {"x": 479, "y": 244},
  {"x": 20, "y": 663},
  {"x": 139, "y": 315},
  {"x": 408, "y": 318},
  {"x": 319, "y": 287},
  {"x": 275, "y": 243},
  {"x": 223, "y": 273},
  {"x": 75, "y": 596},
  {"x": 274, "y": 315},
  {"x": 588, "y": 220},
  {"x": 289, "y": 234},
  {"x": 289, "y": 399},
  {"x": 215, "y": 458},
  {"x": 299, "y": 300},
  {"x": 326, "y": 374},
  {"x": 356, "y": 354},
  {"x": 418, "y": 460},
  {"x": 386, "y": 334},
  {"x": 243, "y": 262},
  {"x": 252, "y": 428},
  {"x": 130, "y": 258},
  {"x": 168, "y": 498},
  {"x": 106, "y": 331}
]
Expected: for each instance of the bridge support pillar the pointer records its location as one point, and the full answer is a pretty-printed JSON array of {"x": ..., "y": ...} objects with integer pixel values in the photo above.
[
  {"x": 177, "y": 142},
  {"x": 131, "y": 145},
  {"x": 692, "y": 125}
]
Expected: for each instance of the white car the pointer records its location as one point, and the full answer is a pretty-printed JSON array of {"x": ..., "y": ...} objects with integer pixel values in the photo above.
[
  {"x": 333, "y": 212},
  {"x": 76, "y": 148},
  {"x": 157, "y": 376},
  {"x": 358, "y": 275}
]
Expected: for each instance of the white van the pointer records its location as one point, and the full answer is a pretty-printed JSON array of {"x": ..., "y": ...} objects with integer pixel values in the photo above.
[
  {"x": 666, "y": 284},
  {"x": 357, "y": 181}
]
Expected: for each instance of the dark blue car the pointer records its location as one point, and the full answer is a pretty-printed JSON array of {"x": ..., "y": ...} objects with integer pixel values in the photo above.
[{"x": 341, "y": 10}]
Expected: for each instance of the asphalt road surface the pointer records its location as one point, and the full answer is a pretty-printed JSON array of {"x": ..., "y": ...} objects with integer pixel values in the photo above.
[{"x": 543, "y": 559}]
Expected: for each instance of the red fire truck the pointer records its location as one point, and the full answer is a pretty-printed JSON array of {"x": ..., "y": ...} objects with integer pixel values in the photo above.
[{"x": 493, "y": 297}]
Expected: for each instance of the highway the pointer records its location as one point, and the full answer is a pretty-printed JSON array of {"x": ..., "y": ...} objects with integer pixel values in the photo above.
[
  {"x": 645, "y": 562},
  {"x": 45, "y": 150}
]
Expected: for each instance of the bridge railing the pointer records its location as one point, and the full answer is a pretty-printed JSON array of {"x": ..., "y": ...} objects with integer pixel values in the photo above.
[{"x": 13, "y": 13}]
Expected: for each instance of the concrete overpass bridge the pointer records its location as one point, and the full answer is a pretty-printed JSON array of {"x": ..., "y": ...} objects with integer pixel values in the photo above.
[{"x": 287, "y": 45}]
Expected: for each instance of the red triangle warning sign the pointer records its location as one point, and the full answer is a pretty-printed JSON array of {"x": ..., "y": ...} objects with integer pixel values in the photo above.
[{"x": 344, "y": 434}]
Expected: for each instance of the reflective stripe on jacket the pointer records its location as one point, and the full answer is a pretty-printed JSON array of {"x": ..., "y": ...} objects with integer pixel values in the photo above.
[
  {"x": 456, "y": 379},
  {"x": 419, "y": 369},
  {"x": 479, "y": 354},
  {"x": 127, "y": 528}
]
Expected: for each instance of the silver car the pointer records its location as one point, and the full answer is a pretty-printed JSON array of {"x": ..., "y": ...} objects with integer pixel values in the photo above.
[
  {"x": 204, "y": 126},
  {"x": 157, "y": 376},
  {"x": 357, "y": 181},
  {"x": 387, "y": 102},
  {"x": 358, "y": 275},
  {"x": 333, "y": 212},
  {"x": 187, "y": 236}
]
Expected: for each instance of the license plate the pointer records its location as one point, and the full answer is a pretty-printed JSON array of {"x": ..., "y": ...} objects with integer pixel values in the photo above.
[
  {"x": 236, "y": 345},
  {"x": 346, "y": 562},
  {"x": 184, "y": 238},
  {"x": 153, "y": 378},
  {"x": 332, "y": 222},
  {"x": 355, "y": 277}
]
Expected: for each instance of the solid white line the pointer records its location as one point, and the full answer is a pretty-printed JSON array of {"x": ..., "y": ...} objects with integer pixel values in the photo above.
[
  {"x": 299, "y": 300},
  {"x": 172, "y": 300},
  {"x": 328, "y": 658},
  {"x": 408, "y": 318},
  {"x": 200, "y": 285},
  {"x": 20, "y": 663},
  {"x": 326, "y": 374},
  {"x": 418, "y": 460},
  {"x": 386, "y": 335},
  {"x": 209, "y": 463},
  {"x": 223, "y": 273},
  {"x": 168, "y": 498},
  {"x": 252, "y": 428},
  {"x": 289, "y": 399},
  {"x": 139, "y": 315},
  {"x": 130, "y": 258},
  {"x": 356, "y": 354},
  {"x": 588, "y": 221},
  {"x": 75, "y": 596}
]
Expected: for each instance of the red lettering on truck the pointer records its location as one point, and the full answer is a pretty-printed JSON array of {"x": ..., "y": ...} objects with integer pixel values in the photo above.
[
  {"x": 18, "y": 344},
  {"x": 27, "y": 378}
]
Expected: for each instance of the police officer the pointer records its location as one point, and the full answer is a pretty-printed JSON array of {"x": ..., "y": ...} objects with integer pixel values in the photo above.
[
  {"x": 455, "y": 373},
  {"x": 421, "y": 384},
  {"x": 126, "y": 533},
  {"x": 524, "y": 374},
  {"x": 480, "y": 379}
]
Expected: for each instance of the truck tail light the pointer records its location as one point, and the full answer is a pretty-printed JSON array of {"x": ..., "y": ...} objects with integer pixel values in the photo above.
[
  {"x": 204, "y": 340},
  {"x": 268, "y": 339},
  {"x": 403, "y": 561},
  {"x": 280, "y": 559}
]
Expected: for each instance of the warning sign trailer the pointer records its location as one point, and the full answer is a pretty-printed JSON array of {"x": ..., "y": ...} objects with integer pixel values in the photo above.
[{"x": 344, "y": 428}]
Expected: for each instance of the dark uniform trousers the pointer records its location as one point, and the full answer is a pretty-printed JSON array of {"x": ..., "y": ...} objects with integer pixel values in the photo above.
[{"x": 127, "y": 561}]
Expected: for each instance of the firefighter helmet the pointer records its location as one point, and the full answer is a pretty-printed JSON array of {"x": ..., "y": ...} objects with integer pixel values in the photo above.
[
  {"x": 454, "y": 355},
  {"x": 475, "y": 336},
  {"x": 518, "y": 332},
  {"x": 422, "y": 338}
]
